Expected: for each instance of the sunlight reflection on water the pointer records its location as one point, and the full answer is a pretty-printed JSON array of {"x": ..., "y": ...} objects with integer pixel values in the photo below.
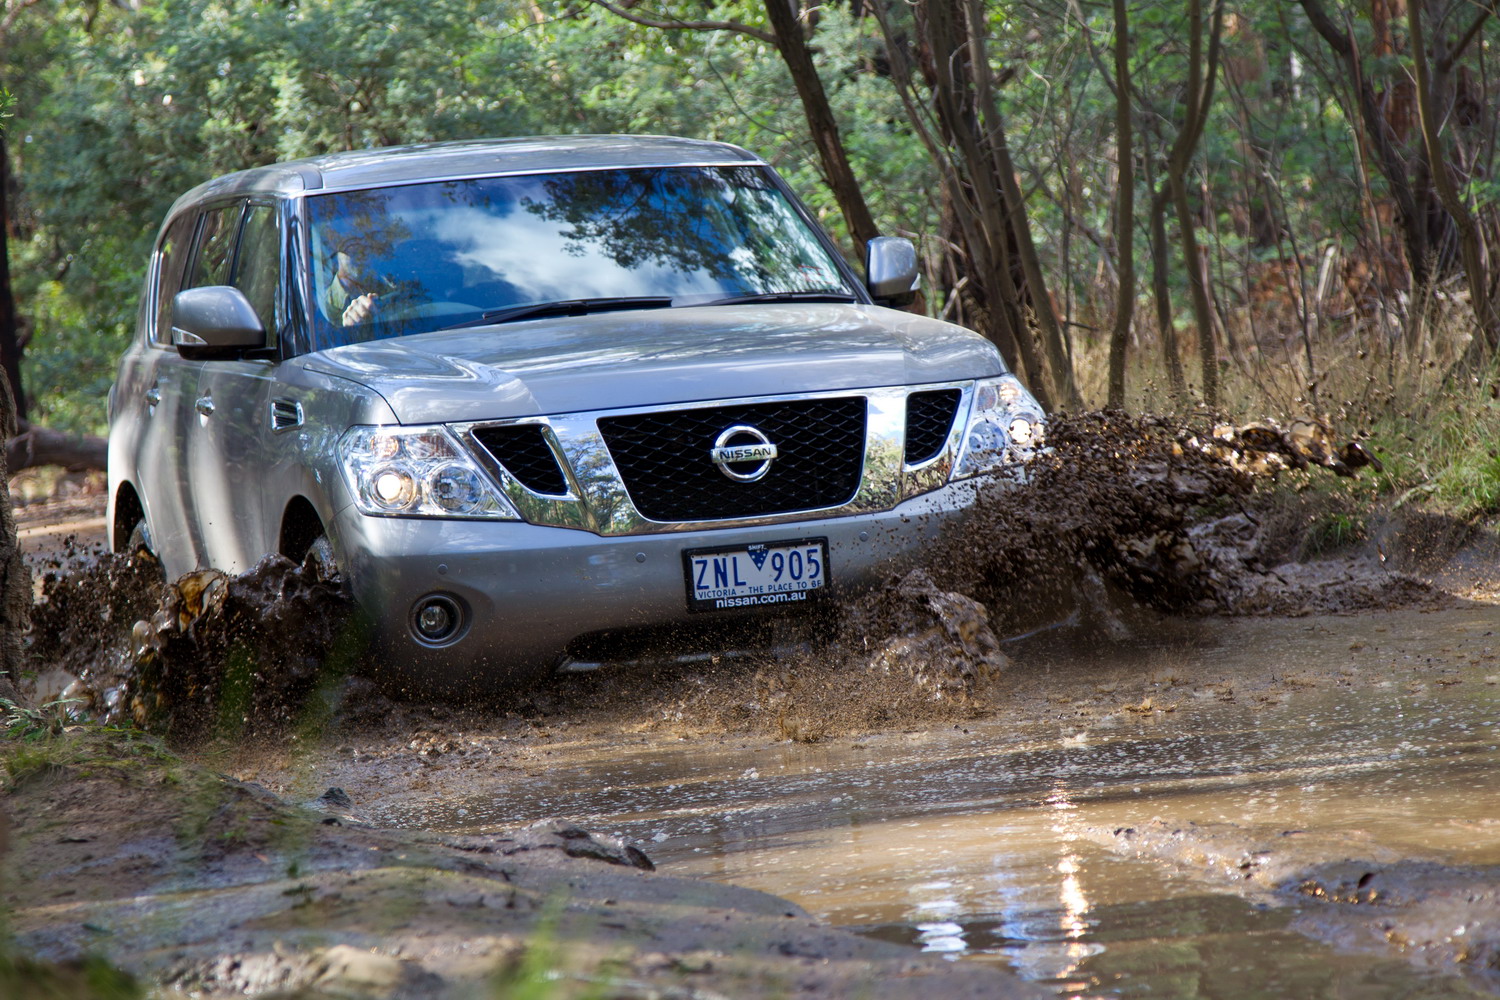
[{"x": 969, "y": 842}]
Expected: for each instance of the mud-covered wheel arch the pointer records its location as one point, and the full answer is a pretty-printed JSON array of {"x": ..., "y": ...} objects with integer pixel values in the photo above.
[
  {"x": 303, "y": 534},
  {"x": 129, "y": 527}
]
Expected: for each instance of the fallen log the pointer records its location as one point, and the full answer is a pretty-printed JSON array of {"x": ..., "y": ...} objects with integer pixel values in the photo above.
[{"x": 35, "y": 446}]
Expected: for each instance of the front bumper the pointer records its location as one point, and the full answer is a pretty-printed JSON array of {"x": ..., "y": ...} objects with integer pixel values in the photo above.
[{"x": 527, "y": 591}]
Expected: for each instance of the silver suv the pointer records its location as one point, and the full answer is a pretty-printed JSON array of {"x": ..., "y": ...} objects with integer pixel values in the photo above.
[{"x": 529, "y": 395}]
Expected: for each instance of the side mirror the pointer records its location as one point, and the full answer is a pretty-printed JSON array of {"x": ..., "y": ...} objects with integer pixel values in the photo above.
[
  {"x": 215, "y": 321},
  {"x": 891, "y": 270}
]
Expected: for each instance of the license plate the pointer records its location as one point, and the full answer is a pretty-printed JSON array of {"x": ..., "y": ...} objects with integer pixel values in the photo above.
[{"x": 760, "y": 575}]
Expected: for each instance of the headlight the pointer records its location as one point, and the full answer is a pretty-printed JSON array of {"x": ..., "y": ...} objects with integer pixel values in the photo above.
[
  {"x": 417, "y": 472},
  {"x": 1006, "y": 427}
]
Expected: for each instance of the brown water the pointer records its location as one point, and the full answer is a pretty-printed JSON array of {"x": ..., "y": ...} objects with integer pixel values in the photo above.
[{"x": 972, "y": 840}]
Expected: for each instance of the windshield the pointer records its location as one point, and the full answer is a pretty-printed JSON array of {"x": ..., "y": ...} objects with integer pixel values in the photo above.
[{"x": 396, "y": 261}]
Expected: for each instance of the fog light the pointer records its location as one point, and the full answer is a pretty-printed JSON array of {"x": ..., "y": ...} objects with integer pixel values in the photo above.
[{"x": 436, "y": 620}]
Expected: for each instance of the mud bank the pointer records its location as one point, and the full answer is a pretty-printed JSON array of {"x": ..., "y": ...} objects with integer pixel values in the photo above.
[
  {"x": 118, "y": 850},
  {"x": 1441, "y": 917}
]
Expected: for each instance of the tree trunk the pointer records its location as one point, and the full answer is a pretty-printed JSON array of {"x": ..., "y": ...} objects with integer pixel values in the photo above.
[
  {"x": 1161, "y": 292},
  {"x": 34, "y": 446},
  {"x": 957, "y": 119},
  {"x": 792, "y": 45},
  {"x": 1119, "y": 338},
  {"x": 1064, "y": 385},
  {"x": 1199, "y": 98},
  {"x": 10, "y": 340},
  {"x": 1411, "y": 216},
  {"x": 15, "y": 577},
  {"x": 1485, "y": 337}
]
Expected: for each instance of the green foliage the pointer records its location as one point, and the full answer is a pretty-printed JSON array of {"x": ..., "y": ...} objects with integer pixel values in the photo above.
[
  {"x": 118, "y": 119},
  {"x": 22, "y": 722},
  {"x": 1446, "y": 453},
  {"x": 1333, "y": 531},
  {"x": 92, "y": 978},
  {"x": 119, "y": 108}
]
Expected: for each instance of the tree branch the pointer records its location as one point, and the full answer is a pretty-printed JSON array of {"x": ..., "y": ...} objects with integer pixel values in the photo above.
[
  {"x": 1446, "y": 63},
  {"x": 13, "y": 10},
  {"x": 676, "y": 25}
]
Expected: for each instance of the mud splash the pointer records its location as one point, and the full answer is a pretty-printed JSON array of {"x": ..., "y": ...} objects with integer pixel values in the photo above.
[
  {"x": 207, "y": 653},
  {"x": 86, "y": 604},
  {"x": 1122, "y": 521},
  {"x": 1126, "y": 524}
]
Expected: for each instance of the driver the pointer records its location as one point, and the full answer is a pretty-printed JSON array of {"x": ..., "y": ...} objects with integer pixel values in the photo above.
[{"x": 346, "y": 297}]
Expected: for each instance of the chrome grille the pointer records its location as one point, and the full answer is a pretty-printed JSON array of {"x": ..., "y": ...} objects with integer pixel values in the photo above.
[
  {"x": 664, "y": 458},
  {"x": 929, "y": 418}
]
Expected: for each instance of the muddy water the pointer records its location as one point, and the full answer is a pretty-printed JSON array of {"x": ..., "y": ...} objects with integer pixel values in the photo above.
[{"x": 972, "y": 840}]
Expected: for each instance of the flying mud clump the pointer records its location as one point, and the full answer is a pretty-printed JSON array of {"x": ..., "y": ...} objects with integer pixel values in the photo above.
[{"x": 207, "y": 654}]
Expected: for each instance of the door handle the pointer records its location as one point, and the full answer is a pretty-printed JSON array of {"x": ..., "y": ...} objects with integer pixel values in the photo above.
[
  {"x": 153, "y": 395},
  {"x": 204, "y": 405}
]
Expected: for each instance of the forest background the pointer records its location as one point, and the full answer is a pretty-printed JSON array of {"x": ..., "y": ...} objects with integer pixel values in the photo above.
[{"x": 1280, "y": 208}]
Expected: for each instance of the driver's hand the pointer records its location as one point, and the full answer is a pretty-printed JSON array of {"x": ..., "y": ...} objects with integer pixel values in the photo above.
[{"x": 360, "y": 310}]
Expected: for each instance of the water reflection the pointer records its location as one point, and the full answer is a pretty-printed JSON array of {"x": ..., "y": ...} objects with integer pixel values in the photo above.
[{"x": 969, "y": 843}]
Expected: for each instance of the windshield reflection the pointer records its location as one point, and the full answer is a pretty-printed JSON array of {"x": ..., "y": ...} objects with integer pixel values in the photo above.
[{"x": 410, "y": 259}]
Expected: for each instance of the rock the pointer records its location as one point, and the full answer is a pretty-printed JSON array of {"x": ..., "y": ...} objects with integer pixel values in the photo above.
[
  {"x": 344, "y": 971},
  {"x": 576, "y": 842},
  {"x": 336, "y": 798}
]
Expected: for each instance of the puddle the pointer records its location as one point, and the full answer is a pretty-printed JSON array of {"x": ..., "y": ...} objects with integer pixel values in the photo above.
[{"x": 970, "y": 840}]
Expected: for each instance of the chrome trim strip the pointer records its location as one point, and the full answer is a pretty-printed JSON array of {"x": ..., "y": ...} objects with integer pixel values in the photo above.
[{"x": 598, "y": 501}]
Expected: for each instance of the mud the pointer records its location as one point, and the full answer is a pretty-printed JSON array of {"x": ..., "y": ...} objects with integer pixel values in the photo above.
[
  {"x": 217, "y": 888},
  {"x": 1441, "y": 917}
]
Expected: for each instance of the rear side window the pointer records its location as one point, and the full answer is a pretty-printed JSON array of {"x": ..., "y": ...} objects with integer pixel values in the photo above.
[
  {"x": 257, "y": 269},
  {"x": 216, "y": 247},
  {"x": 172, "y": 257}
]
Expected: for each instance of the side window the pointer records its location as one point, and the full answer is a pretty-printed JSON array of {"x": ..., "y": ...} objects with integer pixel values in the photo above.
[
  {"x": 216, "y": 247},
  {"x": 172, "y": 257},
  {"x": 257, "y": 269}
]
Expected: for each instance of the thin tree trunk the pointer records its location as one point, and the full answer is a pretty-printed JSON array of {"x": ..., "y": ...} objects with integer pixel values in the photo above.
[
  {"x": 10, "y": 339},
  {"x": 1119, "y": 338},
  {"x": 15, "y": 577},
  {"x": 1199, "y": 98},
  {"x": 1393, "y": 166},
  {"x": 1485, "y": 337},
  {"x": 1161, "y": 293},
  {"x": 1065, "y": 387},
  {"x": 792, "y": 45}
]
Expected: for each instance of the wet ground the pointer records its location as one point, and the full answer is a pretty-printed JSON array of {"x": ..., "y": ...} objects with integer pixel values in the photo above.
[
  {"x": 991, "y": 840},
  {"x": 1155, "y": 799}
]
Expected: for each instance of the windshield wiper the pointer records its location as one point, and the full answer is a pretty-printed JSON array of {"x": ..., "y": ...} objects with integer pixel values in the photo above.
[
  {"x": 566, "y": 307},
  {"x": 819, "y": 295}
]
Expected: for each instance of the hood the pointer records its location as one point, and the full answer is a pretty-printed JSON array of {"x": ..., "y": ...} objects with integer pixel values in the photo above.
[{"x": 656, "y": 357}]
